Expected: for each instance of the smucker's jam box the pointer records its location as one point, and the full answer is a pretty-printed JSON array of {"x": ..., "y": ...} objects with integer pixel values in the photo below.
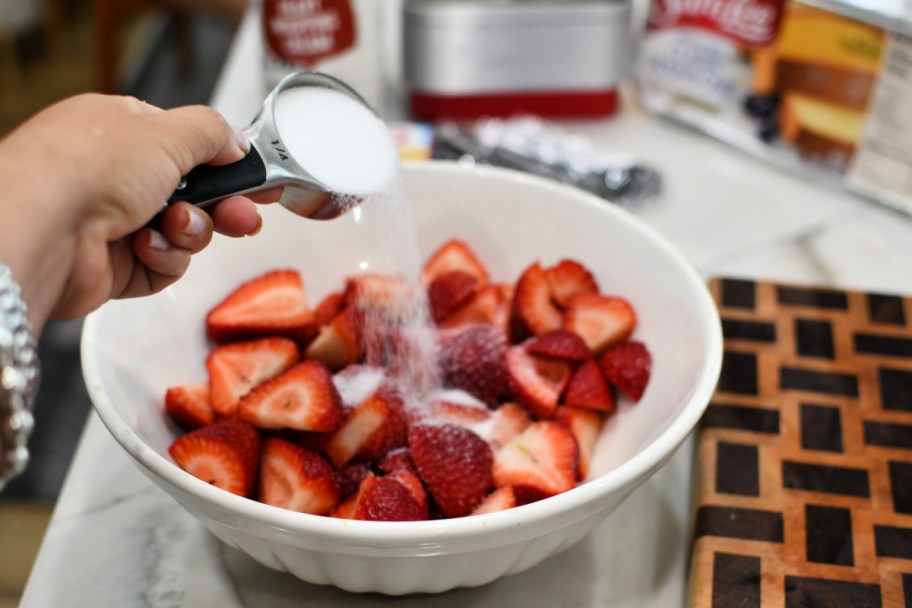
[{"x": 824, "y": 86}]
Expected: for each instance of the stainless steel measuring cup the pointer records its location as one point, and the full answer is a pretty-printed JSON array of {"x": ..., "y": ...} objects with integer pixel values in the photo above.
[{"x": 269, "y": 164}]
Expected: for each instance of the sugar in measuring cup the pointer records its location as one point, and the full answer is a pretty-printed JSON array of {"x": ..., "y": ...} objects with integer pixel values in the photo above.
[{"x": 316, "y": 138}]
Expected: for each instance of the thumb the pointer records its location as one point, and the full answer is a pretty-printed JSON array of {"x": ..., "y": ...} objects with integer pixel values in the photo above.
[{"x": 196, "y": 135}]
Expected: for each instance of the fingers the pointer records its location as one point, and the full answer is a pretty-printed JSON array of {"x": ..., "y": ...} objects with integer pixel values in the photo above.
[
  {"x": 236, "y": 216},
  {"x": 187, "y": 227},
  {"x": 196, "y": 135}
]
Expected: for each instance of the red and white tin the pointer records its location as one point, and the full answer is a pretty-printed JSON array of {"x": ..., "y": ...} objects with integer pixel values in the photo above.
[{"x": 465, "y": 59}]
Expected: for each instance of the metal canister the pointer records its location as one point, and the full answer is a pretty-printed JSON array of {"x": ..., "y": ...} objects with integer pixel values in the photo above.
[{"x": 470, "y": 58}]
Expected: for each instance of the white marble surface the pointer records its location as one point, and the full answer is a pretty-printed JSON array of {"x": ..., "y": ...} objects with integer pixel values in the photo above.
[{"x": 117, "y": 541}]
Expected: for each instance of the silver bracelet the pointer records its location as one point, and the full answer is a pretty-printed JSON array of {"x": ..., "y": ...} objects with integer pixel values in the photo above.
[{"x": 19, "y": 375}]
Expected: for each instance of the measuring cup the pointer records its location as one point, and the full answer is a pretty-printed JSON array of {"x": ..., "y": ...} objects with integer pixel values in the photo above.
[{"x": 269, "y": 164}]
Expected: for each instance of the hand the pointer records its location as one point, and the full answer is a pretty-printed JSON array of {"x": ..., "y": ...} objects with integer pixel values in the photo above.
[{"x": 81, "y": 180}]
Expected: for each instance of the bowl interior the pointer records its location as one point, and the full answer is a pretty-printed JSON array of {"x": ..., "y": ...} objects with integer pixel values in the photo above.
[{"x": 133, "y": 350}]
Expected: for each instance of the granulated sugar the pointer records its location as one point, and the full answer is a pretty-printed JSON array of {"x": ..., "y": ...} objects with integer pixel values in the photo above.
[{"x": 336, "y": 139}]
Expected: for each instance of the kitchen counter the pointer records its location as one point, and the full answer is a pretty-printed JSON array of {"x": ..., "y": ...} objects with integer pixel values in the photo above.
[{"x": 116, "y": 540}]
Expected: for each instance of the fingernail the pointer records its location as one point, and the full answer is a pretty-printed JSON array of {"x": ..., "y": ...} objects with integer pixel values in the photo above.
[
  {"x": 158, "y": 241},
  {"x": 242, "y": 141},
  {"x": 259, "y": 226},
  {"x": 194, "y": 225}
]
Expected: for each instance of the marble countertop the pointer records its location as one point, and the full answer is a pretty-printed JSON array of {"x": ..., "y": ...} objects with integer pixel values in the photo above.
[{"x": 116, "y": 540}]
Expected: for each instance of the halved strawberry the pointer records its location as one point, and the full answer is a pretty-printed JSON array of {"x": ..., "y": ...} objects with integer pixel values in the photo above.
[
  {"x": 507, "y": 421},
  {"x": 385, "y": 499},
  {"x": 224, "y": 454},
  {"x": 536, "y": 382},
  {"x": 346, "y": 508},
  {"x": 456, "y": 407},
  {"x": 628, "y": 367},
  {"x": 377, "y": 291},
  {"x": 454, "y": 255},
  {"x": 568, "y": 278},
  {"x": 448, "y": 291},
  {"x": 533, "y": 309},
  {"x": 455, "y": 465},
  {"x": 356, "y": 383},
  {"x": 349, "y": 478},
  {"x": 301, "y": 398},
  {"x": 189, "y": 405},
  {"x": 413, "y": 484},
  {"x": 474, "y": 359},
  {"x": 601, "y": 321},
  {"x": 398, "y": 459},
  {"x": 295, "y": 478},
  {"x": 272, "y": 304},
  {"x": 538, "y": 463},
  {"x": 500, "y": 499},
  {"x": 328, "y": 308},
  {"x": 338, "y": 344},
  {"x": 585, "y": 425},
  {"x": 371, "y": 429},
  {"x": 234, "y": 369},
  {"x": 489, "y": 305},
  {"x": 589, "y": 389},
  {"x": 559, "y": 343}
]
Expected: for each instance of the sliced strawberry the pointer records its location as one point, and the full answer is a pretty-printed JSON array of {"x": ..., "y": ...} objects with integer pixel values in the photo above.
[
  {"x": 273, "y": 304},
  {"x": 301, "y": 398},
  {"x": 538, "y": 463},
  {"x": 224, "y": 454},
  {"x": 372, "y": 428},
  {"x": 474, "y": 359},
  {"x": 349, "y": 478},
  {"x": 377, "y": 291},
  {"x": 455, "y": 465},
  {"x": 585, "y": 425},
  {"x": 189, "y": 405},
  {"x": 294, "y": 478},
  {"x": 507, "y": 421},
  {"x": 356, "y": 383},
  {"x": 413, "y": 484},
  {"x": 560, "y": 343},
  {"x": 346, "y": 508},
  {"x": 328, "y": 308},
  {"x": 338, "y": 344},
  {"x": 500, "y": 499},
  {"x": 589, "y": 389},
  {"x": 399, "y": 459},
  {"x": 489, "y": 305},
  {"x": 234, "y": 369},
  {"x": 533, "y": 309},
  {"x": 385, "y": 499},
  {"x": 601, "y": 321},
  {"x": 568, "y": 278},
  {"x": 536, "y": 382},
  {"x": 454, "y": 255},
  {"x": 628, "y": 367},
  {"x": 456, "y": 407},
  {"x": 448, "y": 291}
]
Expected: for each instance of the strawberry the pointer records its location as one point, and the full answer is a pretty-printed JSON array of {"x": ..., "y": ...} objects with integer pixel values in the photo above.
[
  {"x": 559, "y": 343},
  {"x": 500, "y": 499},
  {"x": 463, "y": 412},
  {"x": 338, "y": 343},
  {"x": 455, "y": 465},
  {"x": 302, "y": 398},
  {"x": 234, "y": 369},
  {"x": 454, "y": 255},
  {"x": 273, "y": 304},
  {"x": 385, "y": 499},
  {"x": 398, "y": 459},
  {"x": 328, "y": 308},
  {"x": 536, "y": 382},
  {"x": 224, "y": 454},
  {"x": 508, "y": 421},
  {"x": 189, "y": 406},
  {"x": 568, "y": 278},
  {"x": 413, "y": 484},
  {"x": 533, "y": 309},
  {"x": 628, "y": 367},
  {"x": 371, "y": 429},
  {"x": 473, "y": 359},
  {"x": 356, "y": 383},
  {"x": 601, "y": 321},
  {"x": 377, "y": 291},
  {"x": 538, "y": 463},
  {"x": 585, "y": 425},
  {"x": 448, "y": 291},
  {"x": 589, "y": 389},
  {"x": 295, "y": 478},
  {"x": 489, "y": 305},
  {"x": 346, "y": 508},
  {"x": 349, "y": 478}
]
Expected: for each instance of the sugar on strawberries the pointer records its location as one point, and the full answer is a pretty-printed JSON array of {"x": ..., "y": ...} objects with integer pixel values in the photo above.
[{"x": 435, "y": 392}]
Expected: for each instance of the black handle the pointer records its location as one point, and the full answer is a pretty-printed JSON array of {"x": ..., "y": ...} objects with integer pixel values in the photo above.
[{"x": 207, "y": 183}]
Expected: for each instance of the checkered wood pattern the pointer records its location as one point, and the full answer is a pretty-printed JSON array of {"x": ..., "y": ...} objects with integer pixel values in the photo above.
[{"x": 804, "y": 476}]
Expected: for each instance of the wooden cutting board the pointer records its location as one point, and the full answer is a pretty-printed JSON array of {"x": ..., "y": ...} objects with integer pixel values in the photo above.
[{"x": 804, "y": 464}]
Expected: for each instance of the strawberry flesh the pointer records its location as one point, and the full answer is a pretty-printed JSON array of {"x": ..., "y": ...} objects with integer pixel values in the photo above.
[
  {"x": 302, "y": 398},
  {"x": 454, "y": 255},
  {"x": 224, "y": 454},
  {"x": 235, "y": 369},
  {"x": 601, "y": 321},
  {"x": 568, "y": 278},
  {"x": 588, "y": 388},
  {"x": 294, "y": 478},
  {"x": 536, "y": 382},
  {"x": 538, "y": 463},
  {"x": 189, "y": 405},
  {"x": 628, "y": 366},
  {"x": 385, "y": 499},
  {"x": 448, "y": 291},
  {"x": 533, "y": 309},
  {"x": 560, "y": 344}
]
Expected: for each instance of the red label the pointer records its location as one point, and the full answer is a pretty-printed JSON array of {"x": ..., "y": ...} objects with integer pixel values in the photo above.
[
  {"x": 749, "y": 22},
  {"x": 305, "y": 31}
]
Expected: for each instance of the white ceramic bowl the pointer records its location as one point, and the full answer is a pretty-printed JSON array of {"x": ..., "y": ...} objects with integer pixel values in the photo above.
[{"x": 132, "y": 350}]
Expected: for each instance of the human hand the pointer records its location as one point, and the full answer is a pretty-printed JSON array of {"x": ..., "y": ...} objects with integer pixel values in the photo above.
[{"x": 84, "y": 177}]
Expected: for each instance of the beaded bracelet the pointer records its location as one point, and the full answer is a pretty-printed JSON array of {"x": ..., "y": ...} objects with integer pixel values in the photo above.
[{"x": 19, "y": 375}]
